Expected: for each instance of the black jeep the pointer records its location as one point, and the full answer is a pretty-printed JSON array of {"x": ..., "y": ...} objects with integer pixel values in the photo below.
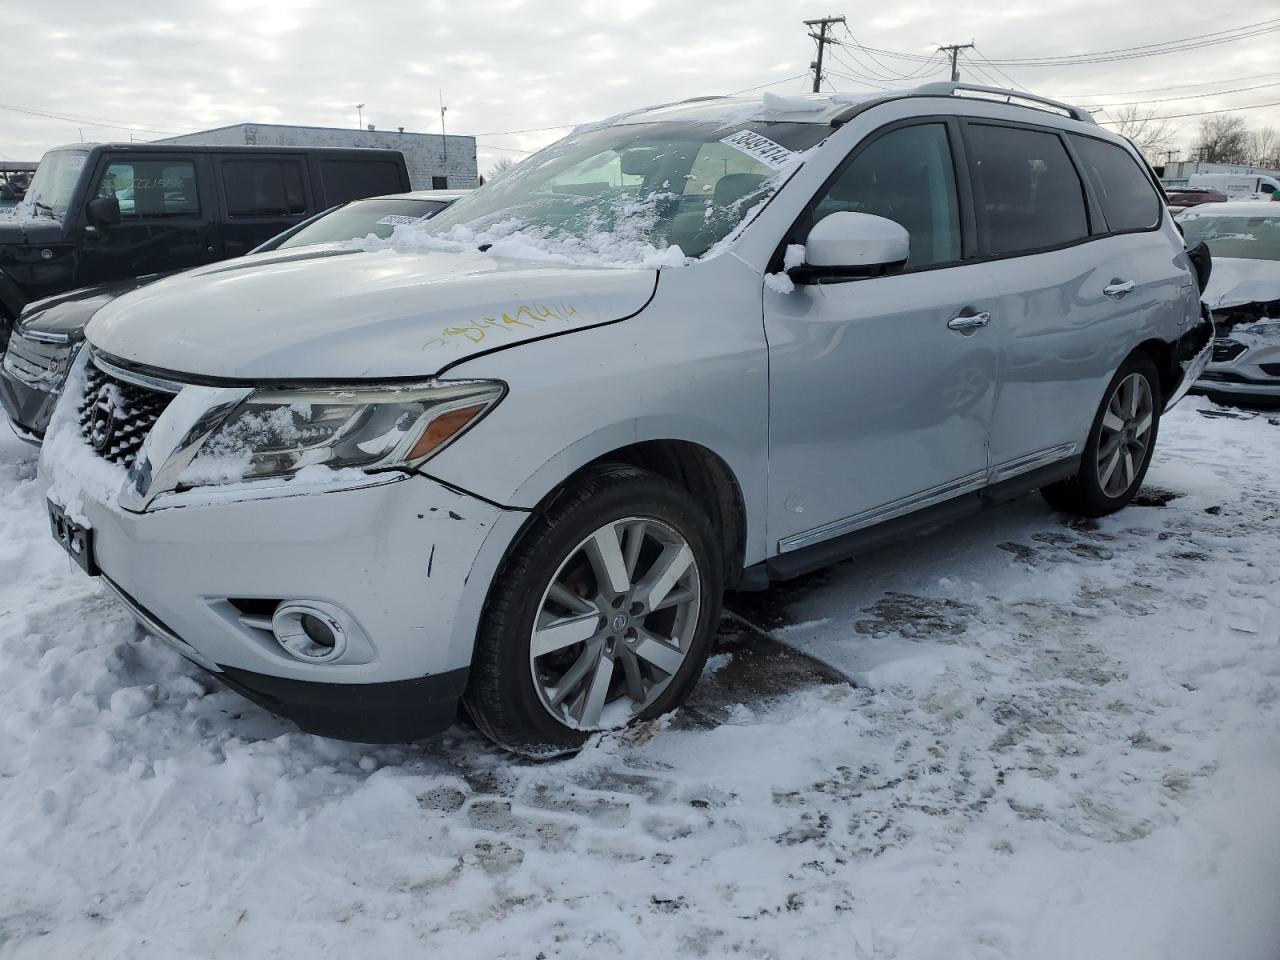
[{"x": 96, "y": 213}]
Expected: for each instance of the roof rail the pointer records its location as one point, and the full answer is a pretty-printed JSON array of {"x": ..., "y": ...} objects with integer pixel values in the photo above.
[{"x": 947, "y": 89}]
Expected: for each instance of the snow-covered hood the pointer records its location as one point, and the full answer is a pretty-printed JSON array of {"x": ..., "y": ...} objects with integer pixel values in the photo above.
[
  {"x": 326, "y": 313},
  {"x": 1235, "y": 281}
]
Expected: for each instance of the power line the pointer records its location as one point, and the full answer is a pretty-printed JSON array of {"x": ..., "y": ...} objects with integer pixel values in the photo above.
[
  {"x": 758, "y": 86},
  {"x": 88, "y": 122},
  {"x": 1174, "y": 86},
  {"x": 1012, "y": 82},
  {"x": 1189, "y": 96},
  {"x": 1203, "y": 113},
  {"x": 1244, "y": 32}
]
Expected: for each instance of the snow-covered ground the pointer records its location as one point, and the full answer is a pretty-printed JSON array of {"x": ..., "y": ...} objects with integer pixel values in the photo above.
[{"x": 1062, "y": 741}]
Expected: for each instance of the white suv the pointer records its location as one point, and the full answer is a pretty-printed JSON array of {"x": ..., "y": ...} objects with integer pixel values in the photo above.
[{"x": 513, "y": 457}]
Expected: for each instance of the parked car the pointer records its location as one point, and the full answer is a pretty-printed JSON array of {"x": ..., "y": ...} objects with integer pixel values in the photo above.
[
  {"x": 1237, "y": 186},
  {"x": 100, "y": 213},
  {"x": 50, "y": 331},
  {"x": 513, "y": 457},
  {"x": 1182, "y": 198},
  {"x": 1244, "y": 295}
]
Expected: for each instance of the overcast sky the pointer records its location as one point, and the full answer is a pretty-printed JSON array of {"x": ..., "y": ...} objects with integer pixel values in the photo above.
[{"x": 510, "y": 64}]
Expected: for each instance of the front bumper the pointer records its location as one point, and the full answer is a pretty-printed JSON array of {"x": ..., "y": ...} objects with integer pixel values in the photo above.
[
  {"x": 28, "y": 406},
  {"x": 408, "y": 559},
  {"x": 1252, "y": 370}
]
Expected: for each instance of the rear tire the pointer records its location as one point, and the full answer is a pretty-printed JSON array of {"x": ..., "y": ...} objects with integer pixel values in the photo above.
[
  {"x": 1118, "y": 452},
  {"x": 602, "y": 615}
]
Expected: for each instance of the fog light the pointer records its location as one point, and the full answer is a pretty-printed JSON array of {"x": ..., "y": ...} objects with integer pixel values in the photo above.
[{"x": 309, "y": 633}]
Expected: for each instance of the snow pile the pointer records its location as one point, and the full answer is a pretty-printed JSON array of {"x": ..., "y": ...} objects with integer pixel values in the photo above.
[
  {"x": 618, "y": 236},
  {"x": 791, "y": 258},
  {"x": 1066, "y": 744}
]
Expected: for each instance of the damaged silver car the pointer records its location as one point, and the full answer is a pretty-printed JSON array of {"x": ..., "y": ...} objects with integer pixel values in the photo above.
[{"x": 1244, "y": 295}]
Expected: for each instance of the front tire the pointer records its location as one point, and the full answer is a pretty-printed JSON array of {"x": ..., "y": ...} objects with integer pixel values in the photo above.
[
  {"x": 603, "y": 614},
  {"x": 1121, "y": 442}
]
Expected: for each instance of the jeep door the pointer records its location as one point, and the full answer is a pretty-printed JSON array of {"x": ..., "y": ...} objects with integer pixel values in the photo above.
[
  {"x": 882, "y": 389},
  {"x": 261, "y": 196},
  {"x": 165, "y": 218}
]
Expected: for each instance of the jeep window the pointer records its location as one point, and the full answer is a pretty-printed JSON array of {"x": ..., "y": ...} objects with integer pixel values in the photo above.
[
  {"x": 361, "y": 218},
  {"x": 1248, "y": 238},
  {"x": 151, "y": 188},
  {"x": 1129, "y": 201},
  {"x": 1030, "y": 196},
  {"x": 907, "y": 176},
  {"x": 263, "y": 188},
  {"x": 640, "y": 185},
  {"x": 353, "y": 179},
  {"x": 54, "y": 185}
]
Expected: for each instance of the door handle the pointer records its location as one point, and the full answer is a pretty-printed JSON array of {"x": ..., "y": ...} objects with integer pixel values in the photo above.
[
  {"x": 974, "y": 322},
  {"x": 1118, "y": 288}
]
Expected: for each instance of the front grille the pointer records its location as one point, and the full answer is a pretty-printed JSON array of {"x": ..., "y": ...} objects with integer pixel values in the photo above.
[
  {"x": 1224, "y": 351},
  {"x": 1270, "y": 369},
  {"x": 116, "y": 416},
  {"x": 34, "y": 362}
]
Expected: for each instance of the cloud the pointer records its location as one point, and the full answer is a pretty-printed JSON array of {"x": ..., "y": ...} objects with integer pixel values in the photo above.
[{"x": 515, "y": 65}]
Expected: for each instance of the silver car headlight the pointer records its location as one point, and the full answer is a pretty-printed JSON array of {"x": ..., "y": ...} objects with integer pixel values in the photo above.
[{"x": 280, "y": 433}]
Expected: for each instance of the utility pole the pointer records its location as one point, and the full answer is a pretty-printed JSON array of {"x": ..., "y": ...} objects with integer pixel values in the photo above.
[
  {"x": 821, "y": 37},
  {"x": 359, "y": 116},
  {"x": 953, "y": 51},
  {"x": 444, "y": 137}
]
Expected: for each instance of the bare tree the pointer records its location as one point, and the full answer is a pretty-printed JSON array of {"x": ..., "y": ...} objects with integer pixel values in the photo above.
[
  {"x": 1221, "y": 139},
  {"x": 1264, "y": 147},
  {"x": 1149, "y": 134},
  {"x": 499, "y": 168}
]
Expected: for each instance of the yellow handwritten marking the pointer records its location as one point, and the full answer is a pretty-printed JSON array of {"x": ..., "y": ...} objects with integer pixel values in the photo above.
[{"x": 476, "y": 331}]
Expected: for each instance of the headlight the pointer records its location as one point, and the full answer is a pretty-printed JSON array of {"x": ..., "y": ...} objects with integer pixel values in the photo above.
[{"x": 276, "y": 433}]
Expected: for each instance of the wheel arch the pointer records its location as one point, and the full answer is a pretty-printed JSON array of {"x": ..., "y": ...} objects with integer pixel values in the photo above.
[
  {"x": 1161, "y": 354},
  {"x": 705, "y": 474}
]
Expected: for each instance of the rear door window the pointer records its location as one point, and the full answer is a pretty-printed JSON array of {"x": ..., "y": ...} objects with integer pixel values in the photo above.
[
  {"x": 263, "y": 188},
  {"x": 1028, "y": 193},
  {"x": 346, "y": 180},
  {"x": 1129, "y": 201},
  {"x": 148, "y": 189}
]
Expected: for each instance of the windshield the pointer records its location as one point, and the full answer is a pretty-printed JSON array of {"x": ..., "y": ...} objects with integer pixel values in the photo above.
[
  {"x": 647, "y": 193},
  {"x": 361, "y": 218},
  {"x": 1248, "y": 238},
  {"x": 54, "y": 185}
]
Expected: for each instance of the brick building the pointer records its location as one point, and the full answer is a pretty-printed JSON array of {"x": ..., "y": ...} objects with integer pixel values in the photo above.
[{"x": 435, "y": 162}]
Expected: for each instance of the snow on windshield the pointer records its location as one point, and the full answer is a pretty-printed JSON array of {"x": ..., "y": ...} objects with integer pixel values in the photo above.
[{"x": 648, "y": 195}]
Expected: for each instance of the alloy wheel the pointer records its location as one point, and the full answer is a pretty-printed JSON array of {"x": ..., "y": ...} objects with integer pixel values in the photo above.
[
  {"x": 1125, "y": 435},
  {"x": 615, "y": 624}
]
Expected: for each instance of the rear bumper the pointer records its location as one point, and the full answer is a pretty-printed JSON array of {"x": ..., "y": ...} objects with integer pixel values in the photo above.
[{"x": 1192, "y": 353}]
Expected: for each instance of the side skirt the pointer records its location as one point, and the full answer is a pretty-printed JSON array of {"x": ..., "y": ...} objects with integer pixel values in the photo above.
[{"x": 814, "y": 557}]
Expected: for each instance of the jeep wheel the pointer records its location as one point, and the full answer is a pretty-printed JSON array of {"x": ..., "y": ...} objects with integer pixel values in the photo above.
[{"x": 603, "y": 614}]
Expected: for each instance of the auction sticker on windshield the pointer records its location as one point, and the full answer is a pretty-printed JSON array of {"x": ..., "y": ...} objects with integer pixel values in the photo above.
[
  {"x": 396, "y": 219},
  {"x": 760, "y": 148}
]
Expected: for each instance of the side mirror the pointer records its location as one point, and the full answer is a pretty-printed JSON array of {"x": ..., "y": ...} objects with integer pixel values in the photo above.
[
  {"x": 103, "y": 211},
  {"x": 850, "y": 246}
]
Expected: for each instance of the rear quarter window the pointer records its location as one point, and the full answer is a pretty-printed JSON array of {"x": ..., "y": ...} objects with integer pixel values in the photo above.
[
  {"x": 1129, "y": 201},
  {"x": 346, "y": 180},
  {"x": 1029, "y": 195}
]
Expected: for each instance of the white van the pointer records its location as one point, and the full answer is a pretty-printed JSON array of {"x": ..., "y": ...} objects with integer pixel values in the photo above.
[{"x": 1238, "y": 186}]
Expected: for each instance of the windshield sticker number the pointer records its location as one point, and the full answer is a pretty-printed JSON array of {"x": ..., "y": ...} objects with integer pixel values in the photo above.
[
  {"x": 397, "y": 219},
  {"x": 759, "y": 148},
  {"x": 75, "y": 161}
]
